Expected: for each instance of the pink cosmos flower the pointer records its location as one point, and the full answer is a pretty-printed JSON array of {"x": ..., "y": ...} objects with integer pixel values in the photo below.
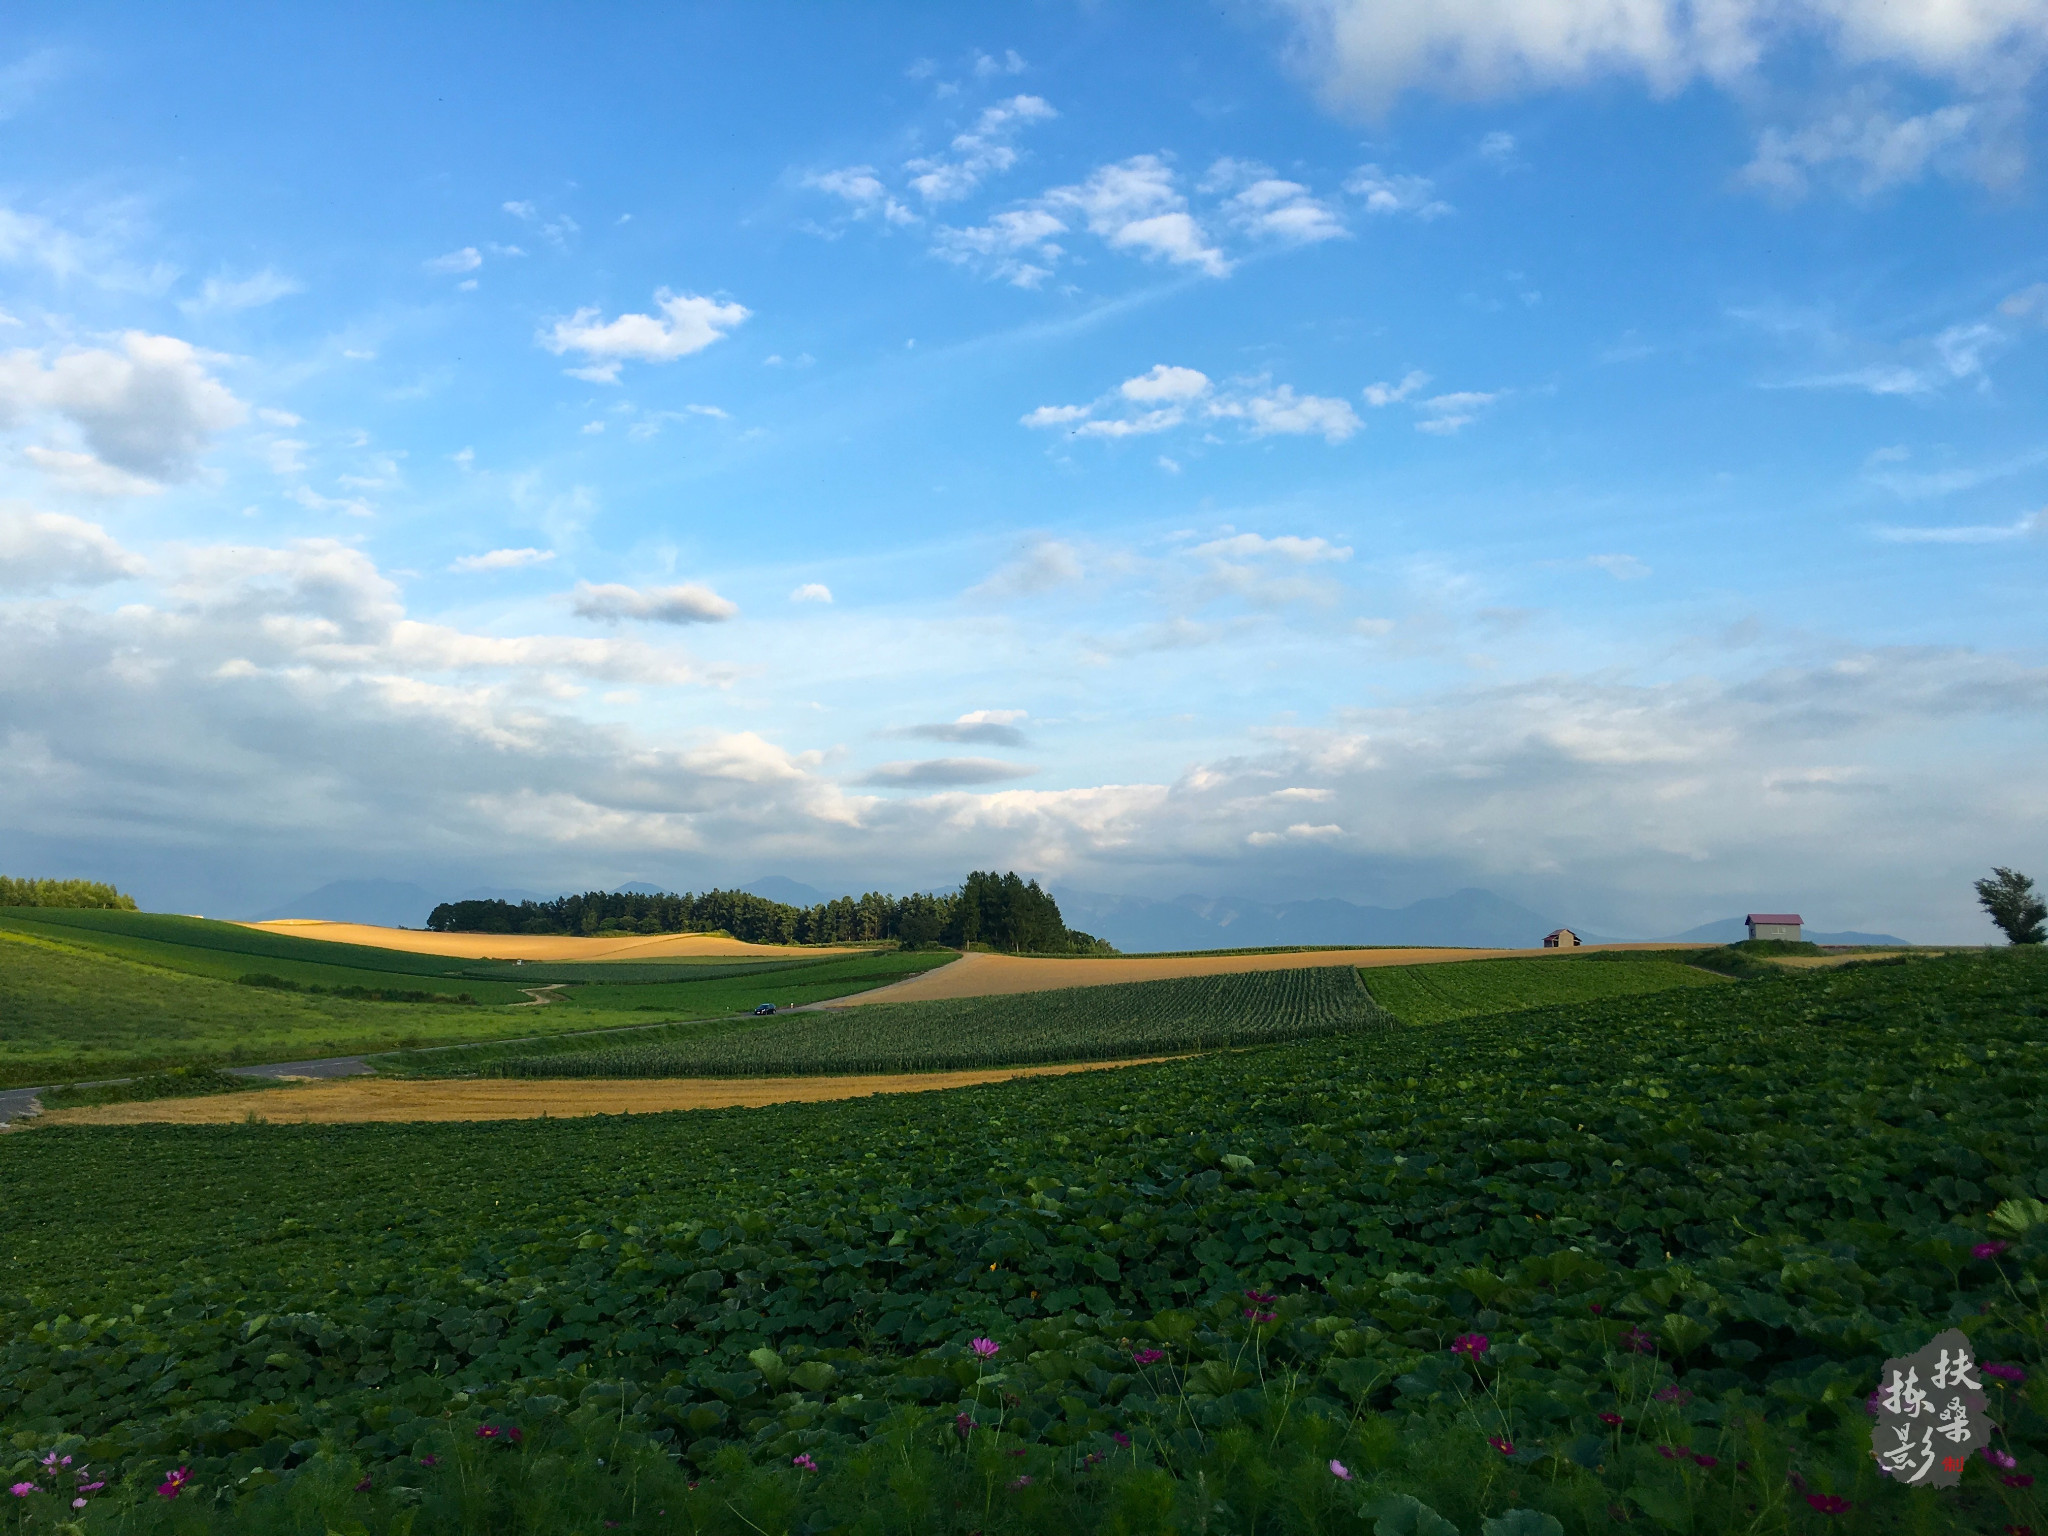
[
  {"x": 1988, "y": 1250},
  {"x": 1672, "y": 1394},
  {"x": 1263, "y": 1298},
  {"x": 803, "y": 1463},
  {"x": 1596, "y": 1308},
  {"x": 1023, "y": 1481},
  {"x": 963, "y": 1425},
  {"x": 1828, "y": 1503},
  {"x": 2018, "y": 1480},
  {"x": 174, "y": 1483},
  {"x": 78, "y": 1503},
  {"x": 23, "y": 1490},
  {"x": 1668, "y": 1452},
  {"x": 1706, "y": 1461},
  {"x": 430, "y": 1461},
  {"x": 1121, "y": 1438},
  {"x": 1999, "y": 1458},
  {"x": 1473, "y": 1344},
  {"x": 91, "y": 1487},
  {"x": 1638, "y": 1341},
  {"x": 1504, "y": 1446},
  {"x": 1147, "y": 1356},
  {"x": 986, "y": 1349},
  {"x": 1260, "y": 1317},
  {"x": 1611, "y": 1420},
  {"x": 1339, "y": 1470},
  {"x": 514, "y": 1434},
  {"x": 363, "y": 1486},
  {"x": 487, "y": 1431},
  {"x": 2011, "y": 1373}
]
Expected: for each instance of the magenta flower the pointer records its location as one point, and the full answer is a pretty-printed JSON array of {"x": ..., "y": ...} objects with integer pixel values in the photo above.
[
  {"x": 1596, "y": 1308},
  {"x": 1611, "y": 1420},
  {"x": 487, "y": 1431},
  {"x": 1706, "y": 1461},
  {"x": 174, "y": 1483},
  {"x": 1473, "y": 1344},
  {"x": 363, "y": 1486},
  {"x": 1263, "y": 1298},
  {"x": 1668, "y": 1452},
  {"x": 514, "y": 1434},
  {"x": 1999, "y": 1458},
  {"x": 1828, "y": 1503},
  {"x": 803, "y": 1463},
  {"x": 1147, "y": 1356},
  {"x": 986, "y": 1349},
  {"x": 2018, "y": 1480},
  {"x": 1989, "y": 1250},
  {"x": 1121, "y": 1438},
  {"x": 430, "y": 1461},
  {"x": 963, "y": 1426},
  {"x": 1260, "y": 1317},
  {"x": 23, "y": 1490},
  {"x": 91, "y": 1487},
  {"x": 2011, "y": 1373},
  {"x": 51, "y": 1463},
  {"x": 1339, "y": 1470},
  {"x": 1672, "y": 1394},
  {"x": 1023, "y": 1481},
  {"x": 1638, "y": 1341},
  {"x": 1505, "y": 1446},
  {"x": 78, "y": 1503}
]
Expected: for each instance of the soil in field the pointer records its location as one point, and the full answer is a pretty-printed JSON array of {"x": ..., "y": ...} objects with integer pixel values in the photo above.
[{"x": 369, "y": 1099}]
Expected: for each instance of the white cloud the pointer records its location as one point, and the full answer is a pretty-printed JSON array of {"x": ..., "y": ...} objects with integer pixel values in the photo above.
[
  {"x": 1303, "y": 551},
  {"x": 1620, "y": 567},
  {"x": 991, "y": 727},
  {"x": 1445, "y": 414},
  {"x": 468, "y": 259},
  {"x": 1016, "y": 245},
  {"x": 938, "y": 771},
  {"x": 982, "y": 151},
  {"x": 503, "y": 560},
  {"x": 687, "y": 324},
  {"x": 1054, "y": 415},
  {"x": 1162, "y": 420},
  {"x": 860, "y": 187},
  {"x": 811, "y": 592},
  {"x": 2032, "y": 525},
  {"x": 85, "y": 475},
  {"x": 1266, "y": 206},
  {"x": 148, "y": 410},
  {"x": 1874, "y": 150},
  {"x": 1365, "y": 53},
  {"x": 1300, "y": 832},
  {"x": 1135, "y": 206},
  {"x": 1386, "y": 193},
  {"x": 556, "y": 231},
  {"x": 1163, "y": 382},
  {"x": 987, "y": 67},
  {"x": 1377, "y": 395},
  {"x": 40, "y": 551},
  {"x": 686, "y": 604},
  {"x": 1282, "y": 411},
  {"x": 1040, "y": 567},
  {"x": 251, "y": 292}
]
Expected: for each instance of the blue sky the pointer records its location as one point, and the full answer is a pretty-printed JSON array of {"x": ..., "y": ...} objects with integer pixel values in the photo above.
[{"x": 1590, "y": 450}]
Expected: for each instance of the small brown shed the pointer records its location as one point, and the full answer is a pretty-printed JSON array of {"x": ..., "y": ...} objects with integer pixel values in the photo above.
[{"x": 1563, "y": 938}]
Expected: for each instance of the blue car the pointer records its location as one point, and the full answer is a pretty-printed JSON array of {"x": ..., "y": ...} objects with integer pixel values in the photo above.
[{"x": 765, "y": 1008}]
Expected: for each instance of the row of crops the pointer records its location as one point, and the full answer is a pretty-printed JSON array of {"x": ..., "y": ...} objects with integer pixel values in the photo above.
[
  {"x": 1102, "y": 1023},
  {"x": 1632, "y": 1265}
]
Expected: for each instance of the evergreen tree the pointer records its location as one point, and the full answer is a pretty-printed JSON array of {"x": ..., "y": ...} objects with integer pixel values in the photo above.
[{"x": 2009, "y": 897}]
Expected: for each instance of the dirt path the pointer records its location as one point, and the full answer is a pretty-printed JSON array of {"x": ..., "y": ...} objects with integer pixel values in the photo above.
[
  {"x": 541, "y": 996},
  {"x": 985, "y": 975},
  {"x": 384, "y": 1100}
]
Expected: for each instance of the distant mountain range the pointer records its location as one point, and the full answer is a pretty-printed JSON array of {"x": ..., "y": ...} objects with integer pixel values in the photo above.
[
  {"x": 1469, "y": 917},
  {"x": 384, "y": 903},
  {"x": 1730, "y": 930}
]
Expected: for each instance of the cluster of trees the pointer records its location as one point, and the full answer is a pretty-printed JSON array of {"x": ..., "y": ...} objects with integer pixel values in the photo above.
[
  {"x": 989, "y": 911},
  {"x": 62, "y": 893},
  {"x": 2008, "y": 896}
]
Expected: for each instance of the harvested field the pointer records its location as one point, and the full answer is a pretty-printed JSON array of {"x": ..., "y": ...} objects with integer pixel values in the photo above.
[
  {"x": 534, "y": 946},
  {"x": 365, "y": 1100},
  {"x": 986, "y": 975}
]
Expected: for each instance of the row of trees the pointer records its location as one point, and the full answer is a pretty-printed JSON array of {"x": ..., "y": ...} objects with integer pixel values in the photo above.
[
  {"x": 62, "y": 893},
  {"x": 989, "y": 911}
]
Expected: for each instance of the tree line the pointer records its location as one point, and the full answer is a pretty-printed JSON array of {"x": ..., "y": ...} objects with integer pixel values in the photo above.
[
  {"x": 989, "y": 911},
  {"x": 62, "y": 893}
]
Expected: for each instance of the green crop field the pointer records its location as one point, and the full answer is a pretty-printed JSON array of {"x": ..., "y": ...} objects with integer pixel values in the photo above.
[
  {"x": 1437, "y": 994},
  {"x": 1619, "y": 1266},
  {"x": 84, "y": 1001},
  {"x": 1073, "y": 1024}
]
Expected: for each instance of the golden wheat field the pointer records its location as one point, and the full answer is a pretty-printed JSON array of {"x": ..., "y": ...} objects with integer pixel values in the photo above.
[
  {"x": 986, "y": 975},
  {"x": 362, "y": 1100}
]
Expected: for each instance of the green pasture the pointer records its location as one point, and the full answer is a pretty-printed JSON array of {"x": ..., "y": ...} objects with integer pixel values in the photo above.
[
  {"x": 80, "y": 1002},
  {"x": 1672, "y": 1237},
  {"x": 1465, "y": 989},
  {"x": 1071, "y": 1024}
]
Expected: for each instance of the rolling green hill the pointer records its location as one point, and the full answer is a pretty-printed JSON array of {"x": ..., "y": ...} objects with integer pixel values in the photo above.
[{"x": 1438, "y": 994}]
